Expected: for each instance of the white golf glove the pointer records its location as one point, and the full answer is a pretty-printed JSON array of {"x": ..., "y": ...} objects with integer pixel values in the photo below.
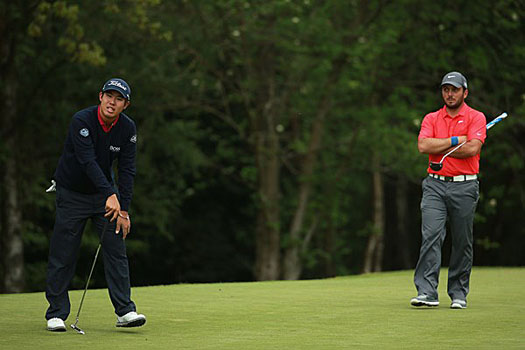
[{"x": 53, "y": 187}]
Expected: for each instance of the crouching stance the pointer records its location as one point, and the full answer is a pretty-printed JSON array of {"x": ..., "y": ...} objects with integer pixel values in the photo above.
[{"x": 85, "y": 189}]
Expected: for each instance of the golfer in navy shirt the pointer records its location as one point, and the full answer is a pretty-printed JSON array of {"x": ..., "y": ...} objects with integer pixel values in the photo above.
[{"x": 85, "y": 189}]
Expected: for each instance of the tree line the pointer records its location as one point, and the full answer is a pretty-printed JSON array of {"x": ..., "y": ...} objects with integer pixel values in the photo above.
[{"x": 276, "y": 139}]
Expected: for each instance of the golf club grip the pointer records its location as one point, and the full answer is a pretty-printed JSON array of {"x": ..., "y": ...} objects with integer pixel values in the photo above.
[{"x": 497, "y": 120}]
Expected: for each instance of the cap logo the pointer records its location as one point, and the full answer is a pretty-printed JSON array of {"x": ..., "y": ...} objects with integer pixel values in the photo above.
[
  {"x": 117, "y": 84},
  {"x": 84, "y": 132},
  {"x": 133, "y": 139},
  {"x": 451, "y": 76}
]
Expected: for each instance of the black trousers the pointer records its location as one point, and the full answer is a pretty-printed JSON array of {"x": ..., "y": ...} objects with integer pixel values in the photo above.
[{"x": 73, "y": 209}]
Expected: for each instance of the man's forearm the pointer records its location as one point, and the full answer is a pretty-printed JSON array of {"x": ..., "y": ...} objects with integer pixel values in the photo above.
[
  {"x": 469, "y": 149},
  {"x": 433, "y": 145}
]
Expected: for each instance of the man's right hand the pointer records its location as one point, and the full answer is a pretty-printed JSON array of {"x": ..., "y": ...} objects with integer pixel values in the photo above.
[{"x": 112, "y": 207}]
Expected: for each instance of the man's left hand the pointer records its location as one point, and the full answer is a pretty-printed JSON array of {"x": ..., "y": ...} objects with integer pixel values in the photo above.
[{"x": 123, "y": 223}]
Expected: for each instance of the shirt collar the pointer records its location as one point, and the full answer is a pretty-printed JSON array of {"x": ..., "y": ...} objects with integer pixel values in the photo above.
[
  {"x": 462, "y": 111},
  {"x": 105, "y": 127}
]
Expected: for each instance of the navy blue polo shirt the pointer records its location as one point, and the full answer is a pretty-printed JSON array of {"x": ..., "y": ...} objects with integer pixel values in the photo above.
[{"x": 86, "y": 164}]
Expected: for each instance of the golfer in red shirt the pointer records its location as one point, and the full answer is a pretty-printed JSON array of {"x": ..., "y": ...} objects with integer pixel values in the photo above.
[{"x": 451, "y": 193}]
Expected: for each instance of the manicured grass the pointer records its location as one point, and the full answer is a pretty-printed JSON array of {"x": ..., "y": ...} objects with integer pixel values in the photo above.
[{"x": 357, "y": 312}]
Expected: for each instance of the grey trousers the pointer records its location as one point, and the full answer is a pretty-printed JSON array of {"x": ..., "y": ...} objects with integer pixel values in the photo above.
[
  {"x": 72, "y": 212},
  {"x": 455, "y": 201}
]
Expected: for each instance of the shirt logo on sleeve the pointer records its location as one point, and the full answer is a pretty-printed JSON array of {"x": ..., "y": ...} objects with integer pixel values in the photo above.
[
  {"x": 84, "y": 132},
  {"x": 133, "y": 139}
]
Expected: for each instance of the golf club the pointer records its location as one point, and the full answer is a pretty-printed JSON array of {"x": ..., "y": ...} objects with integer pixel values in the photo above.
[
  {"x": 74, "y": 326},
  {"x": 437, "y": 166}
]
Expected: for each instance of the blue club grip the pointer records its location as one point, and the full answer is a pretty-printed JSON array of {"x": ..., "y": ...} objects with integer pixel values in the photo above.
[{"x": 497, "y": 120}]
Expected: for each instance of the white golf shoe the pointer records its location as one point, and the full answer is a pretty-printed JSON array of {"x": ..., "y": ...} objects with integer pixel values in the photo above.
[
  {"x": 458, "y": 304},
  {"x": 424, "y": 300},
  {"x": 131, "y": 319},
  {"x": 56, "y": 324}
]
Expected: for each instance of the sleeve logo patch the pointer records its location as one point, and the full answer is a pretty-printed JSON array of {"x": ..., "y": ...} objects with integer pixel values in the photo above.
[
  {"x": 84, "y": 132},
  {"x": 133, "y": 139}
]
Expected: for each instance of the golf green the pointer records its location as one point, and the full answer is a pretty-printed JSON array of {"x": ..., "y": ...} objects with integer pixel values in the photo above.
[{"x": 357, "y": 312}]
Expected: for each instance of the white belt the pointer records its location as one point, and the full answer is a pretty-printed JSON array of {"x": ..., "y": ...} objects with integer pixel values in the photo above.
[{"x": 454, "y": 178}]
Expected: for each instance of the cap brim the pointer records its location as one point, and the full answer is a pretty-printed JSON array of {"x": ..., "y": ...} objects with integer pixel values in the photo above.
[
  {"x": 453, "y": 83},
  {"x": 117, "y": 90}
]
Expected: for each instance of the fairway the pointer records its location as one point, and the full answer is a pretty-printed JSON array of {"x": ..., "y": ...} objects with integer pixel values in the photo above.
[{"x": 357, "y": 312}]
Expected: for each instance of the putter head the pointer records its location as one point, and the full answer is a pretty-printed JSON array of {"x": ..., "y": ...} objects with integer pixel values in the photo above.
[
  {"x": 436, "y": 166},
  {"x": 76, "y": 328}
]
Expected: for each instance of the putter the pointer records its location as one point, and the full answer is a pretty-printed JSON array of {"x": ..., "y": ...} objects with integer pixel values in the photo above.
[
  {"x": 74, "y": 326},
  {"x": 437, "y": 166}
]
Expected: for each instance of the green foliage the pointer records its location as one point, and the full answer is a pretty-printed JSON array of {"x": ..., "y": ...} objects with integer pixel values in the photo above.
[
  {"x": 209, "y": 77},
  {"x": 72, "y": 40}
]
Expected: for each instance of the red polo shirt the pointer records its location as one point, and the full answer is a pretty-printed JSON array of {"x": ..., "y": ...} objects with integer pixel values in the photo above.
[
  {"x": 102, "y": 124},
  {"x": 467, "y": 122}
]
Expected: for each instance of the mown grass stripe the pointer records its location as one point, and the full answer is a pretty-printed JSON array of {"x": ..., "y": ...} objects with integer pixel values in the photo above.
[{"x": 359, "y": 312}]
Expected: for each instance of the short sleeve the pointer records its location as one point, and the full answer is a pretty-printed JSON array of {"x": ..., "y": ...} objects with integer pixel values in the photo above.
[
  {"x": 427, "y": 127},
  {"x": 477, "y": 128}
]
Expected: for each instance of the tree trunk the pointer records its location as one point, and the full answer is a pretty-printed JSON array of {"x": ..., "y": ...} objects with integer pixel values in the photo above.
[
  {"x": 374, "y": 250},
  {"x": 268, "y": 225},
  {"x": 329, "y": 248},
  {"x": 403, "y": 242},
  {"x": 12, "y": 248},
  {"x": 268, "y": 170},
  {"x": 332, "y": 192},
  {"x": 12, "y": 245},
  {"x": 292, "y": 260}
]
